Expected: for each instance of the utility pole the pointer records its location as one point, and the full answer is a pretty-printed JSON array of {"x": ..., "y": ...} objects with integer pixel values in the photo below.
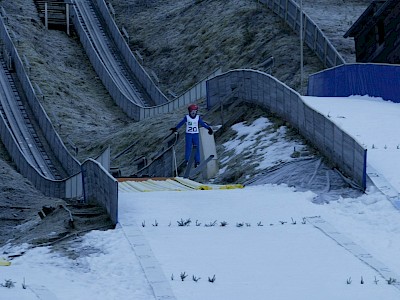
[{"x": 301, "y": 47}]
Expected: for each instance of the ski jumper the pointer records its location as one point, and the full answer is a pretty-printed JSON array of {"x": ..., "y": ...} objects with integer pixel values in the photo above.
[{"x": 192, "y": 135}]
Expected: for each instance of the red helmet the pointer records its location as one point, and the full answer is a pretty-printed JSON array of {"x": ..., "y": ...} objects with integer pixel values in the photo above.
[{"x": 192, "y": 107}]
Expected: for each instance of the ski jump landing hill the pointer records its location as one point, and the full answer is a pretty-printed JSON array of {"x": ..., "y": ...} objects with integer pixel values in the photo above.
[{"x": 134, "y": 91}]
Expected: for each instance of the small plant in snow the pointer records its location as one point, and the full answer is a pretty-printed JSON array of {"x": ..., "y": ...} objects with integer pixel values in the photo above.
[
  {"x": 293, "y": 221},
  {"x": 197, "y": 223},
  {"x": 169, "y": 225},
  {"x": 304, "y": 221},
  {"x": 373, "y": 146},
  {"x": 172, "y": 276},
  {"x": 239, "y": 224},
  {"x": 376, "y": 280},
  {"x": 282, "y": 222},
  {"x": 196, "y": 278},
  {"x": 391, "y": 280},
  {"x": 211, "y": 224},
  {"x": 348, "y": 281},
  {"x": 155, "y": 223},
  {"x": 295, "y": 154},
  {"x": 211, "y": 279},
  {"x": 223, "y": 224},
  {"x": 23, "y": 284},
  {"x": 362, "y": 280},
  {"x": 248, "y": 224},
  {"x": 183, "y": 276},
  {"x": 8, "y": 283},
  {"x": 259, "y": 224},
  {"x": 144, "y": 224},
  {"x": 184, "y": 223},
  {"x": 385, "y": 147}
]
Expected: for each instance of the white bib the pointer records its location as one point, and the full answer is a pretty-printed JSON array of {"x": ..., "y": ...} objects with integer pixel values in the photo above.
[{"x": 192, "y": 125}]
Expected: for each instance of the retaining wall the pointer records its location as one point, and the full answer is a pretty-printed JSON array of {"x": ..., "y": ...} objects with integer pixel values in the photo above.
[{"x": 262, "y": 89}]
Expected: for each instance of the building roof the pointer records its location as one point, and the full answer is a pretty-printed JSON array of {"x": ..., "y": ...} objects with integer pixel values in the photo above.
[{"x": 377, "y": 10}]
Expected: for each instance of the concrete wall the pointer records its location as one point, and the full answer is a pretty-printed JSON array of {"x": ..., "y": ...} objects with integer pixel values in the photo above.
[{"x": 262, "y": 89}]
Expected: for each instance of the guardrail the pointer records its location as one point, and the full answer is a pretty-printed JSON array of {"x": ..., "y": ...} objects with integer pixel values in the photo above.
[
  {"x": 69, "y": 163},
  {"x": 263, "y": 89},
  {"x": 49, "y": 187},
  {"x": 313, "y": 36},
  {"x": 136, "y": 68}
]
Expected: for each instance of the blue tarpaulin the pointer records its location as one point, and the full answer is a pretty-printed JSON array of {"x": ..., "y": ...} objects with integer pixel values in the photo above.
[{"x": 378, "y": 80}]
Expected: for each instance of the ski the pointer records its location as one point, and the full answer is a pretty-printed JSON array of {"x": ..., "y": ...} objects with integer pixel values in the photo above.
[{"x": 200, "y": 167}]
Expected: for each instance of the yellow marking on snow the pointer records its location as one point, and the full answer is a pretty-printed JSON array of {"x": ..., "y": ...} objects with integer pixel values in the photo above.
[
  {"x": 169, "y": 184},
  {"x": 4, "y": 262}
]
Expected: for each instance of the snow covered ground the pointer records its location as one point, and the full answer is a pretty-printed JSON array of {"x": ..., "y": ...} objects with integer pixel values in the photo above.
[{"x": 260, "y": 242}]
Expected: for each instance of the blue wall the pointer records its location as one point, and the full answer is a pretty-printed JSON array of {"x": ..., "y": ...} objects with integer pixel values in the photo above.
[{"x": 378, "y": 80}]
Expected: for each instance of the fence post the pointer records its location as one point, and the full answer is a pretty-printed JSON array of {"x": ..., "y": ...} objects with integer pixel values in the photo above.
[{"x": 46, "y": 21}]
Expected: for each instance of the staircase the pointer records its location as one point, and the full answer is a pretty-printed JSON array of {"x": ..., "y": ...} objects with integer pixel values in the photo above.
[{"x": 54, "y": 14}]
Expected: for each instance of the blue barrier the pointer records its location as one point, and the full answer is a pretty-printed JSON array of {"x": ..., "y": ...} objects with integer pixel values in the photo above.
[{"x": 378, "y": 80}]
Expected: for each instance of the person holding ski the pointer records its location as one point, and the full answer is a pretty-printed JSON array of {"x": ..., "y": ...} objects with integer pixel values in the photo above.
[{"x": 193, "y": 122}]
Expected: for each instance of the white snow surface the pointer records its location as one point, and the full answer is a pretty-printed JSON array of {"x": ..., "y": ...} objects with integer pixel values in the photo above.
[{"x": 285, "y": 258}]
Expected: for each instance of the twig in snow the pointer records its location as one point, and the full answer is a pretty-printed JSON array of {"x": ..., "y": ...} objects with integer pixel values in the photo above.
[
  {"x": 211, "y": 224},
  {"x": 391, "y": 280},
  {"x": 183, "y": 276},
  {"x": 196, "y": 278},
  {"x": 184, "y": 223},
  {"x": 8, "y": 283}
]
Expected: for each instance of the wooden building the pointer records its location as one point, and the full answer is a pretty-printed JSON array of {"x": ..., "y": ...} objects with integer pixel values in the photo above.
[{"x": 376, "y": 33}]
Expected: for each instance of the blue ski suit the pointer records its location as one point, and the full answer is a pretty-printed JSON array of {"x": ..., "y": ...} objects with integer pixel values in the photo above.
[{"x": 192, "y": 135}]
